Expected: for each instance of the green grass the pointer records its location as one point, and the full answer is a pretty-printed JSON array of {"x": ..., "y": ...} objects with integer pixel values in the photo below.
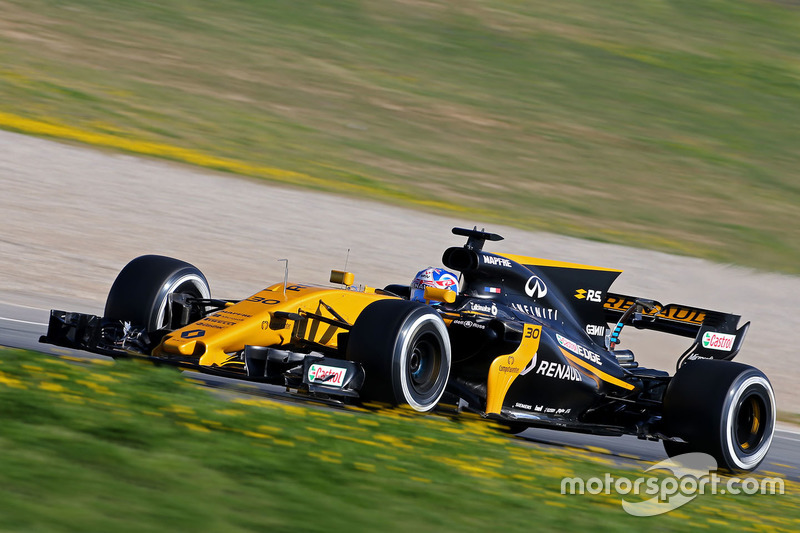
[
  {"x": 791, "y": 418},
  {"x": 132, "y": 447},
  {"x": 668, "y": 125}
]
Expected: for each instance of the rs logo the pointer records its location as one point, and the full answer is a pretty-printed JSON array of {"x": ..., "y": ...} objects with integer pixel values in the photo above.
[{"x": 589, "y": 295}]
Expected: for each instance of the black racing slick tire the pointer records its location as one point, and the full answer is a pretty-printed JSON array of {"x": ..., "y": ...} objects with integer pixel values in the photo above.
[
  {"x": 405, "y": 351},
  {"x": 721, "y": 408},
  {"x": 140, "y": 294}
]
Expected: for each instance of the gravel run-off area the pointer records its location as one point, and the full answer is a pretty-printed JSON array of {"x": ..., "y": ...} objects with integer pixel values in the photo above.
[{"x": 72, "y": 217}]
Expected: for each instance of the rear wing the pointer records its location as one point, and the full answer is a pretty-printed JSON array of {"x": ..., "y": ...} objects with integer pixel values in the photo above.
[{"x": 715, "y": 334}]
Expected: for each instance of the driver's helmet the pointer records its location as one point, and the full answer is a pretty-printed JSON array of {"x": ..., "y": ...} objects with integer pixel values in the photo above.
[{"x": 437, "y": 278}]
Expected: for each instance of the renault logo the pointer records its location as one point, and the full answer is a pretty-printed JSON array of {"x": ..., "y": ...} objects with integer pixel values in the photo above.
[{"x": 192, "y": 334}]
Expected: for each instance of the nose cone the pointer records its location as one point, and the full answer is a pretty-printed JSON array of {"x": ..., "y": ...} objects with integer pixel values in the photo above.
[{"x": 177, "y": 345}]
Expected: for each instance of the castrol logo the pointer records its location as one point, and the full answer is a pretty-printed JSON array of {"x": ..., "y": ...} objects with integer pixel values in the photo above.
[{"x": 718, "y": 341}]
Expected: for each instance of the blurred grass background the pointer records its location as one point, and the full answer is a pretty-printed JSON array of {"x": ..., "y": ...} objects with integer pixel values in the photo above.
[
  {"x": 127, "y": 446},
  {"x": 670, "y": 125}
]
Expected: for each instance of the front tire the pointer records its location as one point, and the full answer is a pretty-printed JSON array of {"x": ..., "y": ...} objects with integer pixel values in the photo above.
[
  {"x": 140, "y": 294},
  {"x": 722, "y": 408},
  {"x": 405, "y": 351}
]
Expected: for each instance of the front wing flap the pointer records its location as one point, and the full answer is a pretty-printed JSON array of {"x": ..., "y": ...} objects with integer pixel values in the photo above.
[{"x": 83, "y": 332}]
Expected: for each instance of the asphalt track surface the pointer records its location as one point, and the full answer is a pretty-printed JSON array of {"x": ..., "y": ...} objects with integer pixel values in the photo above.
[{"x": 21, "y": 327}]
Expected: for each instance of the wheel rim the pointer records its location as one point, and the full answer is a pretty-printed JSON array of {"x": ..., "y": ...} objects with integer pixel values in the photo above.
[
  {"x": 190, "y": 285},
  {"x": 420, "y": 360},
  {"x": 751, "y": 423},
  {"x": 424, "y": 363}
]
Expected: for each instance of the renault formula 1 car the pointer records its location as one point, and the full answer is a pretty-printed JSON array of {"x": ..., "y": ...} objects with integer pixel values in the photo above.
[{"x": 524, "y": 341}]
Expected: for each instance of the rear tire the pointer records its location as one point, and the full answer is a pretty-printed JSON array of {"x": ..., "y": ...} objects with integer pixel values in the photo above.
[
  {"x": 404, "y": 349},
  {"x": 722, "y": 408},
  {"x": 140, "y": 294}
]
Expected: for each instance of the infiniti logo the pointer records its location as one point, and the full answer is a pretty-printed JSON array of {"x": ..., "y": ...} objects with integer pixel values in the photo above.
[{"x": 535, "y": 287}]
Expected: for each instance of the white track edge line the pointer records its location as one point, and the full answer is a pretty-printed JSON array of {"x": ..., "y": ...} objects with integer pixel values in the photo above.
[{"x": 23, "y": 321}]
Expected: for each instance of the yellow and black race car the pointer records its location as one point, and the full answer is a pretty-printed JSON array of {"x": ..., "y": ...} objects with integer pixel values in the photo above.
[{"x": 523, "y": 341}]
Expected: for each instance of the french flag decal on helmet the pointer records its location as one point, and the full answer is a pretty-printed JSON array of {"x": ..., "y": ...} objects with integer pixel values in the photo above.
[{"x": 437, "y": 278}]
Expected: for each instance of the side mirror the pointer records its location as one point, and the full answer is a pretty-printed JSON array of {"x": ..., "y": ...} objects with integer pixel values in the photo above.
[
  {"x": 342, "y": 277},
  {"x": 439, "y": 295}
]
